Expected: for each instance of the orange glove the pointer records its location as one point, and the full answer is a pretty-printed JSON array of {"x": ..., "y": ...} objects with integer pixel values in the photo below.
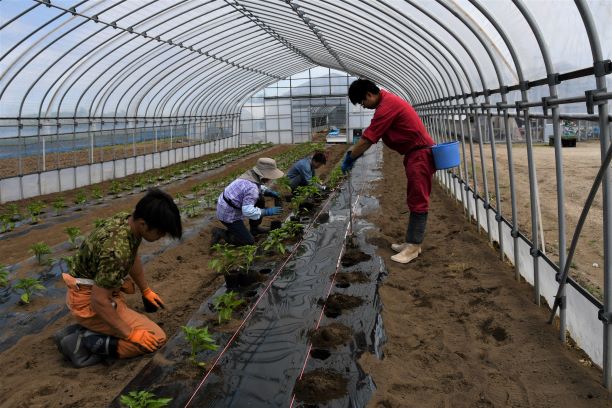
[
  {"x": 144, "y": 338},
  {"x": 153, "y": 297}
]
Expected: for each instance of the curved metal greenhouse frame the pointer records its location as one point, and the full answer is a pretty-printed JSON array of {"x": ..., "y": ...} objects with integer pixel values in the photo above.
[{"x": 93, "y": 73}]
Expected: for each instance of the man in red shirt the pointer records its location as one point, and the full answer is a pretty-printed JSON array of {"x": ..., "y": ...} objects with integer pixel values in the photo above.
[{"x": 400, "y": 128}]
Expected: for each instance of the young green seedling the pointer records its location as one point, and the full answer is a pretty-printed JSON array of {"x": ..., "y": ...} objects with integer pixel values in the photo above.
[
  {"x": 40, "y": 249},
  {"x": 3, "y": 276},
  {"x": 73, "y": 235},
  {"x": 226, "y": 304},
  {"x": 59, "y": 205},
  {"x": 98, "y": 222},
  {"x": 143, "y": 399},
  {"x": 225, "y": 260},
  {"x": 29, "y": 286},
  {"x": 200, "y": 340},
  {"x": 246, "y": 256},
  {"x": 80, "y": 198},
  {"x": 34, "y": 209},
  {"x": 96, "y": 193}
]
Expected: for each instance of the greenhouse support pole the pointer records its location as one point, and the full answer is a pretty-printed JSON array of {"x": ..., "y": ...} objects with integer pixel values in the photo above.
[{"x": 602, "y": 68}]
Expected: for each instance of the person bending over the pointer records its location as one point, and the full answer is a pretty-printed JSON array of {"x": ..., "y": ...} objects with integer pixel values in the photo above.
[
  {"x": 244, "y": 197},
  {"x": 400, "y": 128},
  {"x": 302, "y": 172}
]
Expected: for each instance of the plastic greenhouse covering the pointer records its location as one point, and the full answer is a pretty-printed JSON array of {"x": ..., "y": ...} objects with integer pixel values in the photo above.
[{"x": 173, "y": 67}]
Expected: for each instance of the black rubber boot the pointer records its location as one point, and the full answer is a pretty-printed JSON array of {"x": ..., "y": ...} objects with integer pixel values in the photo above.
[
  {"x": 254, "y": 226},
  {"x": 73, "y": 348},
  {"x": 100, "y": 344},
  {"x": 416, "y": 228},
  {"x": 218, "y": 235},
  {"x": 60, "y": 334}
]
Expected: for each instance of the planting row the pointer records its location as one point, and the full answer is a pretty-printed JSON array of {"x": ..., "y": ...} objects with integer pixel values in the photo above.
[
  {"x": 14, "y": 215},
  {"x": 203, "y": 197}
]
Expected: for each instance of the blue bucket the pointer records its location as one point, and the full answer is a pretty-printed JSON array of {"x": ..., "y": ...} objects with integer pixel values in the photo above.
[{"x": 446, "y": 155}]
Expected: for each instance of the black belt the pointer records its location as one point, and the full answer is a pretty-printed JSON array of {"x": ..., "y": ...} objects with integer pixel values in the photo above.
[{"x": 228, "y": 201}]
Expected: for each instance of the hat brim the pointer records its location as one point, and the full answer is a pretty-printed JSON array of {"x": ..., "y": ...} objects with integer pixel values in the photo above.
[{"x": 271, "y": 174}]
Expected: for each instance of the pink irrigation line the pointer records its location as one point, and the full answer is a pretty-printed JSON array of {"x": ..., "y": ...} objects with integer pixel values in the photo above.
[
  {"x": 328, "y": 292},
  {"x": 252, "y": 309}
]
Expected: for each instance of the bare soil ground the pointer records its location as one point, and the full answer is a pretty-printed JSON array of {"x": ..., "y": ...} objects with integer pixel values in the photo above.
[
  {"x": 34, "y": 373},
  {"x": 59, "y": 160},
  {"x": 580, "y": 166},
  {"x": 461, "y": 331}
]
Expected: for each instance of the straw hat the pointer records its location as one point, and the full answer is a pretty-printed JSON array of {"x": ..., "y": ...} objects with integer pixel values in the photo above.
[{"x": 266, "y": 168}]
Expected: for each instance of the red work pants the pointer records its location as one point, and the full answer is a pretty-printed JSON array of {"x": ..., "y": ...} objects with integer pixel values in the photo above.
[{"x": 420, "y": 168}]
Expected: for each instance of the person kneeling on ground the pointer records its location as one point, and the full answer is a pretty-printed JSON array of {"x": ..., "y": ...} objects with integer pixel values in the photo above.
[
  {"x": 244, "y": 197},
  {"x": 302, "y": 172},
  {"x": 106, "y": 264}
]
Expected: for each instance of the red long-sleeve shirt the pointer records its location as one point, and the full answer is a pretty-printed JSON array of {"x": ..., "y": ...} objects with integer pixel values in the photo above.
[{"x": 398, "y": 124}]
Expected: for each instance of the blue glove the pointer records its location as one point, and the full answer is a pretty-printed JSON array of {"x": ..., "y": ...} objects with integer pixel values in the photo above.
[
  {"x": 348, "y": 163},
  {"x": 272, "y": 193},
  {"x": 266, "y": 212}
]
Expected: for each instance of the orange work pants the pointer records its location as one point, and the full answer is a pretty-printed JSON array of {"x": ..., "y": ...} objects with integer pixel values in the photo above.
[{"x": 78, "y": 300}]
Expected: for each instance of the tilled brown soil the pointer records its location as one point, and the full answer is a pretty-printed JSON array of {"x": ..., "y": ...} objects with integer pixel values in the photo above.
[
  {"x": 461, "y": 331},
  {"x": 34, "y": 373}
]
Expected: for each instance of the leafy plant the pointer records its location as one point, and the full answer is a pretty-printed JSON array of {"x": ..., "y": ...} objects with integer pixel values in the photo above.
[
  {"x": 200, "y": 340},
  {"x": 115, "y": 187},
  {"x": 59, "y": 205},
  {"x": 143, "y": 399},
  {"x": 40, "y": 249},
  {"x": 69, "y": 260},
  {"x": 284, "y": 184},
  {"x": 13, "y": 211},
  {"x": 73, "y": 235},
  {"x": 35, "y": 209},
  {"x": 274, "y": 241},
  {"x": 96, "y": 193},
  {"x": 226, "y": 259},
  {"x": 3, "y": 276},
  {"x": 29, "y": 286},
  {"x": 80, "y": 198},
  {"x": 192, "y": 209},
  {"x": 98, "y": 222},
  {"x": 226, "y": 304},
  {"x": 6, "y": 223},
  {"x": 246, "y": 256}
]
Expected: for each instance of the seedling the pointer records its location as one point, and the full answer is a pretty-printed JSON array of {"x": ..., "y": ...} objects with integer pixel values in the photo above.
[
  {"x": 59, "y": 205},
  {"x": 115, "y": 188},
  {"x": 40, "y": 249},
  {"x": 3, "y": 276},
  {"x": 29, "y": 286},
  {"x": 35, "y": 209},
  {"x": 81, "y": 198},
  {"x": 178, "y": 197},
  {"x": 226, "y": 259},
  {"x": 246, "y": 256},
  {"x": 274, "y": 241},
  {"x": 226, "y": 304},
  {"x": 73, "y": 235},
  {"x": 284, "y": 184},
  {"x": 69, "y": 260},
  {"x": 192, "y": 209},
  {"x": 98, "y": 222},
  {"x": 96, "y": 193},
  {"x": 200, "y": 340},
  {"x": 143, "y": 399},
  {"x": 6, "y": 223}
]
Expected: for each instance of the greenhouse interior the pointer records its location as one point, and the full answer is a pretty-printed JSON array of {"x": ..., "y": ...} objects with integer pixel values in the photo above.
[{"x": 464, "y": 260}]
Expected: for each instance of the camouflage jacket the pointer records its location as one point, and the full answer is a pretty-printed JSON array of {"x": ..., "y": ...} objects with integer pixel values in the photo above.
[{"x": 108, "y": 253}]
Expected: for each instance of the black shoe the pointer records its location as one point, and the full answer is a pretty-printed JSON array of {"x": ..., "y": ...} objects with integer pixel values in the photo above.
[
  {"x": 259, "y": 231},
  {"x": 218, "y": 234},
  {"x": 60, "y": 334},
  {"x": 100, "y": 344},
  {"x": 73, "y": 348}
]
